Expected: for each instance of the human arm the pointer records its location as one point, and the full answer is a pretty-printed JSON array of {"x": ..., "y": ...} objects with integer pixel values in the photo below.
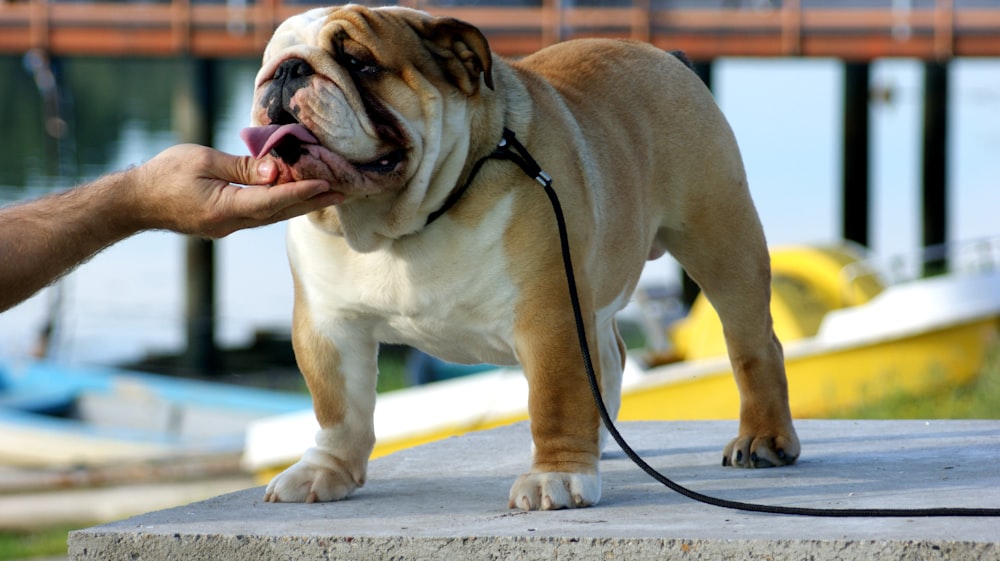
[{"x": 186, "y": 188}]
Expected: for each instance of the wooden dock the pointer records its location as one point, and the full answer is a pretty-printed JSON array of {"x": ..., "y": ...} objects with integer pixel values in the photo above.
[
  {"x": 932, "y": 30},
  {"x": 857, "y": 32}
]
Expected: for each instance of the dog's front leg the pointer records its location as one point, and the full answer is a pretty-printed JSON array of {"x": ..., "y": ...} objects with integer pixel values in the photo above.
[
  {"x": 564, "y": 420},
  {"x": 341, "y": 377}
]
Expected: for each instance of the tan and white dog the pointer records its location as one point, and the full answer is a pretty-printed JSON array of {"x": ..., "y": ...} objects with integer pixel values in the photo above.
[{"x": 395, "y": 108}]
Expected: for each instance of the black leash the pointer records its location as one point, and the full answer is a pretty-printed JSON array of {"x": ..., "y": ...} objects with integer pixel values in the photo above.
[{"x": 511, "y": 149}]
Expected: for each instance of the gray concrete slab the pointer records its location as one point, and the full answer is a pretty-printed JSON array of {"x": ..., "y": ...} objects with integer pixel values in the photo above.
[{"x": 448, "y": 500}]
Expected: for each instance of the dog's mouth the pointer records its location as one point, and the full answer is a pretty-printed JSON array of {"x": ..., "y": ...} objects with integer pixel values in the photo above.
[{"x": 292, "y": 141}]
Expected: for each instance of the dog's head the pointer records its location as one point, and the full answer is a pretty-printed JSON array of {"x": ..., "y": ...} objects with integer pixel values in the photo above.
[{"x": 377, "y": 101}]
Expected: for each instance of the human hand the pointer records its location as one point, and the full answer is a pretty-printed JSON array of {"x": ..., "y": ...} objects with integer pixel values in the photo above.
[{"x": 196, "y": 190}]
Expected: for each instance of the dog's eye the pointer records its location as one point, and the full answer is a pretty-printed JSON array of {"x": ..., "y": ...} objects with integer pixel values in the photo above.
[{"x": 358, "y": 66}]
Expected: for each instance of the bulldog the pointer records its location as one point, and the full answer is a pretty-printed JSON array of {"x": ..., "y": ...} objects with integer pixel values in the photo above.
[{"x": 442, "y": 247}]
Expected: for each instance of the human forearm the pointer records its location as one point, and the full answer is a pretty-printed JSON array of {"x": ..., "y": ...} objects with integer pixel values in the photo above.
[
  {"x": 187, "y": 188},
  {"x": 42, "y": 240}
]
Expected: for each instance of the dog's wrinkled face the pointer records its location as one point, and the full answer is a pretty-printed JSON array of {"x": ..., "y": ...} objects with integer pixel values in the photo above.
[{"x": 360, "y": 96}]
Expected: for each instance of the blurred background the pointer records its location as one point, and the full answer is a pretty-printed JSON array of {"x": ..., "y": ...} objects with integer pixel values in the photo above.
[{"x": 70, "y": 114}]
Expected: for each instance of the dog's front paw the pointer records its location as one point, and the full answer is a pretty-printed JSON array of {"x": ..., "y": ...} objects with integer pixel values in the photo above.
[
  {"x": 317, "y": 477},
  {"x": 555, "y": 490},
  {"x": 754, "y": 451}
]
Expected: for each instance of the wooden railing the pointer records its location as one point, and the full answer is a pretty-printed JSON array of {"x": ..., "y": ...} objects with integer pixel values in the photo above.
[{"x": 797, "y": 28}]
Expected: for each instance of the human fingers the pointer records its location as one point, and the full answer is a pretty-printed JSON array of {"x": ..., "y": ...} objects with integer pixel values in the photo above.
[
  {"x": 267, "y": 172},
  {"x": 258, "y": 206},
  {"x": 322, "y": 200},
  {"x": 278, "y": 201},
  {"x": 242, "y": 170}
]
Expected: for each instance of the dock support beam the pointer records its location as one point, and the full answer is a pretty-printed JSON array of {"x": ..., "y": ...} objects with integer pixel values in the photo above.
[
  {"x": 935, "y": 157},
  {"x": 689, "y": 288},
  {"x": 855, "y": 201},
  {"x": 194, "y": 115}
]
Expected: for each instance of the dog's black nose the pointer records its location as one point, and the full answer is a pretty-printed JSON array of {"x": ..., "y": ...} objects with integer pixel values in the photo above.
[
  {"x": 290, "y": 76},
  {"x": 293, "y": 69}
]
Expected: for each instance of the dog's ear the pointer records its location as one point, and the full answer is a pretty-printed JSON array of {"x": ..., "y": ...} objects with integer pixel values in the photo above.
[{"x": 462, "y": 51}]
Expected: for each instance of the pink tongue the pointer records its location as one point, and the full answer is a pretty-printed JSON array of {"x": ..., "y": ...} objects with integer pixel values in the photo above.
[{"x": 260, "y": 140}]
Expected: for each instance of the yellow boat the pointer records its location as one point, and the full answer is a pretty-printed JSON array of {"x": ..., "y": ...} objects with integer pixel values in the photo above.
[{"x": 849, "y": 337}]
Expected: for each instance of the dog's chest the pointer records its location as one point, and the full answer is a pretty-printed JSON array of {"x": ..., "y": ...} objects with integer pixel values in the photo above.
[{"x": 447, "y": 291}]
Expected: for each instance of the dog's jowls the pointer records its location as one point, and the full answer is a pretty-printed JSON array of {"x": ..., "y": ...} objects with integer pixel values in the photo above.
[{"x": 394, "y": 107}]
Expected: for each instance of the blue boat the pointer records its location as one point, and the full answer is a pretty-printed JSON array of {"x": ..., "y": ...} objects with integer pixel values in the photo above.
[{"x": 56, "y": 415}]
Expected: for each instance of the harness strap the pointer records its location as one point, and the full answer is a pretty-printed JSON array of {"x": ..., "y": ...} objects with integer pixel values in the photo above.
[{"x": 509, "y": 148}]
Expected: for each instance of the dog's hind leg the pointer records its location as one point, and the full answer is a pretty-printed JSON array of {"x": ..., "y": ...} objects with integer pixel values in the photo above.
[
  {"x": 612, "y": 358},
  {"x": 721, "y": 245}
]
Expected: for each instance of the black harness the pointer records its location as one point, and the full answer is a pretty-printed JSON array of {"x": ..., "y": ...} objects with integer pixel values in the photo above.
[{"x": 510, "y": 149}]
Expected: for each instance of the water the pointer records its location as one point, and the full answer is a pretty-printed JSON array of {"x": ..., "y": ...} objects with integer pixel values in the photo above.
[
  {"x": 786, "y": 115},
  {"x": 129, "y": 299}
]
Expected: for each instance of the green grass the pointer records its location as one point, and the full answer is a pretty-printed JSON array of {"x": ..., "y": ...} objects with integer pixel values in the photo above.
[
  {"x": 979, "y": 399},
  {"x": 391, "y": 368},
  {"x": 27, "y": 544}
]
